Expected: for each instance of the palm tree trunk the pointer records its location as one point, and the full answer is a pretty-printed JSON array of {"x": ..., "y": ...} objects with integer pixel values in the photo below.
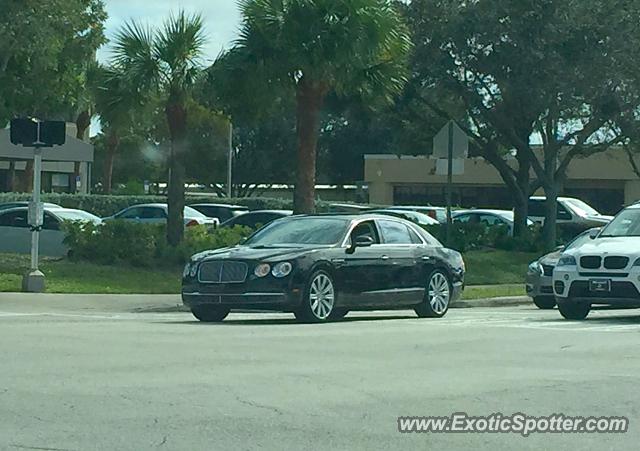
[
  {"x": 177, "y": 120},
  {"x": 11, "y": 177},
  {"x": 310, "y": 97},
  {"x": 83, "y": 121},
  {"x": 113, "y": 141},
  {"x": 27, "y": 177}
]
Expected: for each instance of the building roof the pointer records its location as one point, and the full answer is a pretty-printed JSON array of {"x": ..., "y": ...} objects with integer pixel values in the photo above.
[{"x": 73, "y": 150}]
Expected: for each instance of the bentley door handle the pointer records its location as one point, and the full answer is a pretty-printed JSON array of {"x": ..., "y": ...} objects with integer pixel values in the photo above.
[
  {"x": 426, "y": 258},
  {"x": 385, "y": 257}
]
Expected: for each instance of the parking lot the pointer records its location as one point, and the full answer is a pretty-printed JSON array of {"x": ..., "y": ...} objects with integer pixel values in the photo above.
[{"x": 76, "y": 376}]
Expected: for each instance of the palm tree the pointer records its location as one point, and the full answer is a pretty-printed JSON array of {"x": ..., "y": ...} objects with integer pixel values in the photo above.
[
  {"x": 116, "y": 104},
  {"x": 166, "y": 61},
  {"x": 355, "y": 47}
]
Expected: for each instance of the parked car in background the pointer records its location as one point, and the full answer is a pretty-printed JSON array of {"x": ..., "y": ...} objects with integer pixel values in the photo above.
[
  {"x": 437, "y": 213},
  {"x": 539, "y": 282},
  {"x": 15, "y": 232},
  {"x": 489, "y": 218},
  {"x": 604, "y": 271},
  {"x": 257, "y": 218},
  {"x": 416, "y": 217},
  {"x": 158, "y": 213},
  {"x": 223, "y": 212},
  {"x": 347, "y": 208},
  {"x": 571, "y": 211},
  {"x": 17, "y": 204},
  {"x": 321, "y": 267}
]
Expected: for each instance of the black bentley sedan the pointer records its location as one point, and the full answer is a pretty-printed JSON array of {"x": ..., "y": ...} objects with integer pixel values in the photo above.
[{"x": 321, "y": 267}]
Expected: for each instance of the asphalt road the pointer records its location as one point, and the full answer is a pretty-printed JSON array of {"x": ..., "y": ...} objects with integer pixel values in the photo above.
[{"x": 75, "y": 378}]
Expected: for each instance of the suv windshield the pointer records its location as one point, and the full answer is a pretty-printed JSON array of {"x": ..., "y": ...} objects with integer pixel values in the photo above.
[
  {"x": 627, "y": 223},
  {"x": 303, "y": 232}
]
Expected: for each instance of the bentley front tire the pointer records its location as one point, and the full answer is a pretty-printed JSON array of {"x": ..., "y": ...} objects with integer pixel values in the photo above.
[
  {"x": 319, "y": 299},
  {"x": 437, "y": 297},
  {"x": 209, "y": 313}
]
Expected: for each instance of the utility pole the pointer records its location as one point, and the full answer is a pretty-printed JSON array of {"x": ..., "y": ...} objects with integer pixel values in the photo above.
[
  {"x": 230, "y": 162},
  {"x": 37, "y": 135}
]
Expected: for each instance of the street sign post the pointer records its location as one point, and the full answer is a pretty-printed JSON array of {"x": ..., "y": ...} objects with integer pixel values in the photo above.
[
  {"x": 36, "y": 134},
  {"x": 451, "y": 143}
]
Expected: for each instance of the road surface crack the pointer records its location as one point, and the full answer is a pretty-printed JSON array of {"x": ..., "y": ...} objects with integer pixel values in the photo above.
[
  {"x": 43, "y": 448},
  {"x": 258, "y": 406}
]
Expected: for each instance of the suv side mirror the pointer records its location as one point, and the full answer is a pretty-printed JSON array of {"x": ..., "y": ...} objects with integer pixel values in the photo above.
[{"x": 594, "y": 234}]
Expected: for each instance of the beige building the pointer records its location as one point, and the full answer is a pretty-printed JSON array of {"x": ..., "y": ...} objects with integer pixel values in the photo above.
[
  {"x": 606, "y": 181},
  {"x": 58, "y": 163}
]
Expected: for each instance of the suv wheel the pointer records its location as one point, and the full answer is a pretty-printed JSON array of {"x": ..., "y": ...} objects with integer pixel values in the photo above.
[
  {"x": 574, "y": 310},
  {"x": 544, "y": 303}
]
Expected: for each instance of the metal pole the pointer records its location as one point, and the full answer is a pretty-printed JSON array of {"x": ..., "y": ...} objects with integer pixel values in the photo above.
[
  {"x": 35, "y": 234},
  {"x": 449, "y": 182},
  {"x": 230, "y": 162}
]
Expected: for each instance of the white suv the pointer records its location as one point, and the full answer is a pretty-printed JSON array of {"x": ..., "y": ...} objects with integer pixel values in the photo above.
[{"x": 604, "y": 271}]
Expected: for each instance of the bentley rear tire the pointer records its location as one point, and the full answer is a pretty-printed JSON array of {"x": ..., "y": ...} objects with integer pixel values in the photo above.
[{"x": 437, "y": 297}]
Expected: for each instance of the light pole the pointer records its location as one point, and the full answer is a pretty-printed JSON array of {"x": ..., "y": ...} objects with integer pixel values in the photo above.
[{"x": 230, "y": 162}]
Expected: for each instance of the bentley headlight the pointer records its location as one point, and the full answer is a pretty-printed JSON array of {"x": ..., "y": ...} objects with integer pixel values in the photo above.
[
  {"x": 186, "y": 270},
  {"x": 567, "y": 260},
  {"x": 282, "y": 269},
  {"x": 194, "y": 269},
  {"x": 262, "y": 270}
]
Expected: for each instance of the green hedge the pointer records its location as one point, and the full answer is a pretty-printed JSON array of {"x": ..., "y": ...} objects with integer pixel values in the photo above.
[
  {"x": 105, "y": 205},
  {"x": 143, "y": 245}
]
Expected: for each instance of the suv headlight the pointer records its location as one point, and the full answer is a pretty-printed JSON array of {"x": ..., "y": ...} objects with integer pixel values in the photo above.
[
  {"x": 535, "y": 267},
  {"x": 637, "y": 262},
  {"x": 567, "y": 260},
  {"x": 282, "y": 270}
]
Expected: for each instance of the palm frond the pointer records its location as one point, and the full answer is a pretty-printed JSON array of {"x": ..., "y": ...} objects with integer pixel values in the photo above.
[{"x": 133, "y": 53}]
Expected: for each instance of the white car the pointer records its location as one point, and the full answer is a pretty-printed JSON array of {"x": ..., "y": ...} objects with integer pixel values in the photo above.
[
  {"x": 604, "y": 271},
  {"x": 15, "y": 233},
  {"x": 158, "y": 213},
  {"x": 571, "y": 211}
]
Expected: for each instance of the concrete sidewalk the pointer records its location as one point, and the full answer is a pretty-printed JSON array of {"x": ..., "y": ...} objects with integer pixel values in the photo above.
[{"x": 161, "y": 303}]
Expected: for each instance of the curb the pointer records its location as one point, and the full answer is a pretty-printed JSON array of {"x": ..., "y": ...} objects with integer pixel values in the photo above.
[{"x": 506, "y": 301}]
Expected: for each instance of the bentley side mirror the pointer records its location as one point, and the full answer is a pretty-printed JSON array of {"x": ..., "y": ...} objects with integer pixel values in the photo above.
[
  {"x": 361, "y": 241},
  {"x": 560, "y": 248}
]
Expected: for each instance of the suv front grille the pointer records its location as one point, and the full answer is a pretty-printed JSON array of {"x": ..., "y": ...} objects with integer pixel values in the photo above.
[
  {"x": 616, "y": 262},
  {"x": 591, "y": 262},
  {"x": 222, "y": 271}
]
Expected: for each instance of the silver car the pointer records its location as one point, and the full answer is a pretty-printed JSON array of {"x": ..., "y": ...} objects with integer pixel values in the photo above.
[
  {"x": 158, "y": 213},
  {"x": 540, "y": 273}
]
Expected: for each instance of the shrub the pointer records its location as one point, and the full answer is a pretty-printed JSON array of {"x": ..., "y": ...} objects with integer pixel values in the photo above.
[
  {"x": 107, "y": 205},
  {"x": 143, "y": 245},
  {"x": 466, "y": 237}
]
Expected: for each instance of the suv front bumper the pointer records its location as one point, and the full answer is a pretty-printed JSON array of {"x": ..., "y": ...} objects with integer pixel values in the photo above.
[{"x": 570, "y": 283}]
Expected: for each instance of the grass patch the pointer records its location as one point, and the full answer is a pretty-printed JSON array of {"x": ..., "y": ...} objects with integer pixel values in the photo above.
[
  {"x": 503, "y": 271},
  {"x": 493, "y": 291},
  {"x": 64, "y": 276},
  {"x": 493, "y": 267}
]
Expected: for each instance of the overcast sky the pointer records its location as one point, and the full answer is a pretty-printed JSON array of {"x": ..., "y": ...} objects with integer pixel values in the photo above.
[{"x": 221, "y": 19}]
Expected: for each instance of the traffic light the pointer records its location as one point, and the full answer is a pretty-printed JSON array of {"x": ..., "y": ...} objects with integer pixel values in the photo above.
[
  {"x": 53, "y": 133},
  {"x": 24, "y": 132}
]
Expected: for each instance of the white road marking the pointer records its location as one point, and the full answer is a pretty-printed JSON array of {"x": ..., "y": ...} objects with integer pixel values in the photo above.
[{"x": 526, "y": 319}]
